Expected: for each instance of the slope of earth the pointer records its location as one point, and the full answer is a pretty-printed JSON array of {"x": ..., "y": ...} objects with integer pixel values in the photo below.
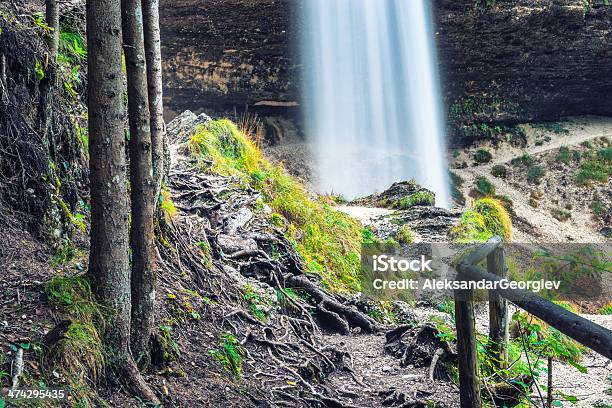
[{"x": 540, "y": 180}]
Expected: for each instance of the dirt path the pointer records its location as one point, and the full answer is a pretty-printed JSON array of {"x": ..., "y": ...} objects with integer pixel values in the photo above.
[
  {"x": 380, "y": 373},
  {"x": 581, "y": 227}
]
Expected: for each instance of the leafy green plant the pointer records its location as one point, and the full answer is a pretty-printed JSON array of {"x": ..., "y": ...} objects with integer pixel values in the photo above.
[
  {"x": 597, "y": 206},
  {"x": 230, "y": 354},
  {"x": 39, "y": 71},
  {"x": 535, "y": 174},
  {"x": 258, "y": 305},
  {"x": 167, "y": 205},
  {"x": 170, "y": 348},
  {"x": 72, "y": 48},
  {"x": 484, "y": 187}
]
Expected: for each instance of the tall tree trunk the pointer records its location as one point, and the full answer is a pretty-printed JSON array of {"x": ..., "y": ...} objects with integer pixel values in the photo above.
[
  {"x": 52, "y": 19},
  {"x": 150, "y": 10},
  {"x": 142, "y": 184},
  {"x": 108, "y": 262}
]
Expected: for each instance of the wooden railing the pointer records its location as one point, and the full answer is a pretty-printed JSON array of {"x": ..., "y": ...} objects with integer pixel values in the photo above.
[{"x": 584, "y": 331}]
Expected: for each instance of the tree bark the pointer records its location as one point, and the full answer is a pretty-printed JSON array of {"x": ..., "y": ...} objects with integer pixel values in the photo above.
[
  {"x": 142, "y": 183},
  {"x": 152, "y": 40},
  {"x": 52, "y": 19},
  {"x": 108, "y": 263}
]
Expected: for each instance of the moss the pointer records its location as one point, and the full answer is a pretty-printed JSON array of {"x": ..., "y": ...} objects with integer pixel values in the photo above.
[
  {"x": 327, "y": 240},
  {"x": 415, "y": 199},
  {"x": 404, "y": 235},
  {"x": 78, "y": 355},
  {"x": 486, "y": 219}
]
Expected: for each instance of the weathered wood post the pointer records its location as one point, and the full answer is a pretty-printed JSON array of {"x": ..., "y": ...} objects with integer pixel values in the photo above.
[
  {"x": 469, "y": 383},
  {"x": 498, "y": 311}
]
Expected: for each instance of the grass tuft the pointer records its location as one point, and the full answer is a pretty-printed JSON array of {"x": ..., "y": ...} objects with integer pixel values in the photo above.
[
  {"x": 327, "y": 240},
  {"x": 486, "y": 219},
  {"x": 419, "y": 198}
]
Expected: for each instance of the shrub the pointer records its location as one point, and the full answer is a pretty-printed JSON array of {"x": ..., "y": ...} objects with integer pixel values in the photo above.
[
  {"x": 563, "y": 156},
  {"x": 499, "y": 170},
  {"x": 561, "y": 214},
  {"x": 404, "y": 235},
  {"x": 524, "y": 160},
  {"x": 486, "y": 219},
  {"x": 596, "y": 168},
  {"x": 482, "y": 156},
  {"x": 418, "y": 198},
  {"x": 597, "y": 206},
  {"x": 327, "y": 240},
  {"x": 484, "y": 187},
  {"x": 535, "y": 174}
]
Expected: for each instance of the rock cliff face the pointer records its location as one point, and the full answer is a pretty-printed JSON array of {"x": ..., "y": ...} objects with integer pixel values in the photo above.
[
  {"x": 226, "y": 54},
  {"x": 502, "y": 63}
]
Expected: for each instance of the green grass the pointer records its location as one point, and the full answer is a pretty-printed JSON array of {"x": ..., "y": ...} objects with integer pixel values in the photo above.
[
  {"x": 328, "y": 241},
  {"x": 404, "y": 235},
  {"x": 79, "y": 354},
  {"x": 605, "y": 310},
  {"x": 486, "y": 219},
  {"x": 597, "y": 167},
  {"x": 418, "y": 198}
]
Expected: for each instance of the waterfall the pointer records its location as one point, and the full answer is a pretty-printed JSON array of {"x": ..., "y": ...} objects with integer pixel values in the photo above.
[{"x": 371, "y": 96}]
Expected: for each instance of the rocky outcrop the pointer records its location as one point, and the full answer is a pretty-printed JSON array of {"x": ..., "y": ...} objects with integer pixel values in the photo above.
[
  {"x": 505, "y": 63},
  {"x": 222, "y": 54}
]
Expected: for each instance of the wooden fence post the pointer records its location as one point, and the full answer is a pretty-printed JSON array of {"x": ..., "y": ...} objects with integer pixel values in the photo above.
[
  {"x": 469, "y": 383},
  {"x": 498, "y": 311}
]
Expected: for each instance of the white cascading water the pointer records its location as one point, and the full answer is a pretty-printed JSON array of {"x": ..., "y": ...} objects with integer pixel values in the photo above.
[{"x": 371, "y": 96}]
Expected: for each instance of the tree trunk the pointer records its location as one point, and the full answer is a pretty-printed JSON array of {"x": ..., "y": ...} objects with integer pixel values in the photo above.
[
  {"x": 150, "y": 13},
  {"x": 108, "y": 262},
  {"x": 52, "y": 19},
  {"x": 142, "y": 184}
]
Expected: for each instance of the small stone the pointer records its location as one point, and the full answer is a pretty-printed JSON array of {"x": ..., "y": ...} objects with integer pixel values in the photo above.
[{"x": 387, "y": 369}]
